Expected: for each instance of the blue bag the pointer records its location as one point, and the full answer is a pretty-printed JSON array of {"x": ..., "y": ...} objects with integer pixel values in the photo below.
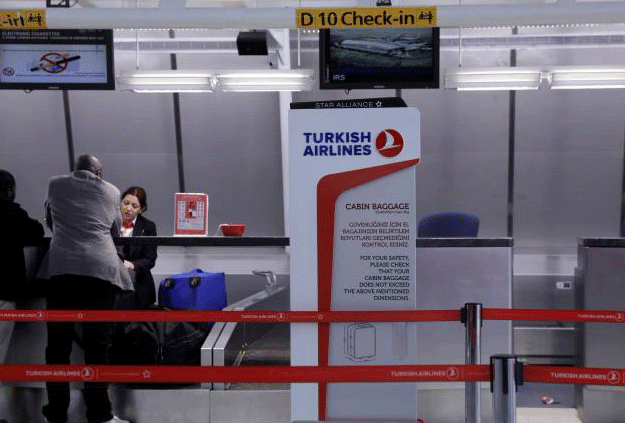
[{"x": 195, "y": 290}]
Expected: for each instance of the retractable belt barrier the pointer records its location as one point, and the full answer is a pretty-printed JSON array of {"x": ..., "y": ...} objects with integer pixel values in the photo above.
[
  {"x": 303, "y": 374},
  {"x": 588, "y": 316},
  {"x": 504, "y": 372},
  {"x": 307, "y": 374}
]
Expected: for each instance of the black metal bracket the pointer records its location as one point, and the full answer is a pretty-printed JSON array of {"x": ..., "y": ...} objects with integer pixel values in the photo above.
[
  {"x": 519, "y": 370},
  {"x": 464, "y": 312},
  {"x": 58, "y": 3}
]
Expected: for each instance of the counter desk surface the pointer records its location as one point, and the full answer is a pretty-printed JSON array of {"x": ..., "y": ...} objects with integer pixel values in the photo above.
[
  {"x": 199, "y": 241},
  {"x": 281, "y": 241}
]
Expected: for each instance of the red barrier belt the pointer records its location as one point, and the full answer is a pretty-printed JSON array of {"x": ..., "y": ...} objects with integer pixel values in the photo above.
[
  {"x": 302, "y": 374},
  {"x": 252, "y": 374},
  {"x": 230, "y": 316},
  {"x": 308, "y": 316},
  {"x": 575, "y": 376},
  {"x": 554, "y": 315}
]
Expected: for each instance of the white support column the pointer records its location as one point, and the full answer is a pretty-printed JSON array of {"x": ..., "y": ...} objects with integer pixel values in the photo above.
[{"x": 286, "y": 97}]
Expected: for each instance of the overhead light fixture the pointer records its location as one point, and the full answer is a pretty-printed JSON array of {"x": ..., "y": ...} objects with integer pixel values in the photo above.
[
  {"x": 265, "y": 80},
  {"x": 166, "y": 81},
  {"x": 589, "y": 77},
  {"x": 555, "y": 78},
  {"x": 222, "y": 80},
  {"x": 498, "y": 78}
]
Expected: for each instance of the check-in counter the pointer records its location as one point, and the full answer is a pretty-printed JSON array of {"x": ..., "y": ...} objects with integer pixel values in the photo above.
[
  {"x": 235, "y": 256},
  {"x": 601, "y": 277},
  {"x": 450, "y": 273}
]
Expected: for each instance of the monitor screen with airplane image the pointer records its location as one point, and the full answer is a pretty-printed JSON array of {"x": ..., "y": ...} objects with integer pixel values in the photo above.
[
  {"x": 57, "y": 59},
  {"x": 379, "y": 58}
]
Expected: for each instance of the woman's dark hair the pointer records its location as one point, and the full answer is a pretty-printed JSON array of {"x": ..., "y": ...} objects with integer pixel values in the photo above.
[{"x": 140, "y": 194}]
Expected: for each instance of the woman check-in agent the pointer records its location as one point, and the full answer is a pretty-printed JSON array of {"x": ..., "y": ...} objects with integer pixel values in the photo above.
[{"x": 138, "y": 259}]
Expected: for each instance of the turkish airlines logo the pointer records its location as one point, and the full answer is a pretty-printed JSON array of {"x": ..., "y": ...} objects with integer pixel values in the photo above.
[
  {"x": 452, "y": 373},
  {"x": 87, "y": 373},
  {"x": 389, "y": 143},
  {"x": 614, "y": 377}
]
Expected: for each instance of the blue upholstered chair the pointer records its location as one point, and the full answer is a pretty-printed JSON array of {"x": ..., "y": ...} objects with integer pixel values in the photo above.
[{"x": 448, "y": 225}]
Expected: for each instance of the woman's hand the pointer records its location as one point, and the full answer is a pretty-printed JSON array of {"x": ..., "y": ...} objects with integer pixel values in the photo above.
[{"x": 129, "y": 265}]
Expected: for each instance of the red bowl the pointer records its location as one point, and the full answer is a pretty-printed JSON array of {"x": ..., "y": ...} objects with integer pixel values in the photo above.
[{"x": 232, "y": 229}]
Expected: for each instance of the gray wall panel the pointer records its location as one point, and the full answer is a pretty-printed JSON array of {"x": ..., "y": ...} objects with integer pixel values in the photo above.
[
  {"x": 232, "y": 150},
  {"x": 474, "y": 183},
  {"x": 560, "y": 197},
  {"x": 570, "y": 156},
  {"x": 241, "y": 189},
  {"x": 33, "y": 145},
  {"x": 133, "y": 136}
]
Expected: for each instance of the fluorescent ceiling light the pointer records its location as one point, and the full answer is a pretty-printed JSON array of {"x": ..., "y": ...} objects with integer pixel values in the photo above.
[
  {"x": 222, "y": 80},
  {"x": 589, "y": 77},
  {"x": 265, "y": 80},
  {"x": 166, "y": 81},
  {"x": 499, "y": 78},
  {"x": 555, "y": 78}
]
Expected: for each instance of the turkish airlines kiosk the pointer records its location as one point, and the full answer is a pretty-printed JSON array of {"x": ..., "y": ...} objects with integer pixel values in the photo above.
[{"x": 352, "y": 246}]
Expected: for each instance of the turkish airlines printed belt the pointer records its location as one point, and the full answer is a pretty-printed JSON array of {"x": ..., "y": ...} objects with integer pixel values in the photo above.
[{"x": 308, "y": 316}]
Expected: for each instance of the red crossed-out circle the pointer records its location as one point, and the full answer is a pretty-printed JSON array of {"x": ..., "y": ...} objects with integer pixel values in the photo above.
[
  {"x": 389, "y": 143},
  {"x": 51, "y": 63}
]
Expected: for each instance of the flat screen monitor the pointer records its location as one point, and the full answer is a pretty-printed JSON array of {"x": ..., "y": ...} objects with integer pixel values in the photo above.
[
  {"x": 64, "y": 59},
  {"x": 379, "y": 58}
]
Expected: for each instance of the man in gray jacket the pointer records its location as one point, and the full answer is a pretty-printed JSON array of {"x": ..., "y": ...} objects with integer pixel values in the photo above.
[{"x": 85, "y": 273}]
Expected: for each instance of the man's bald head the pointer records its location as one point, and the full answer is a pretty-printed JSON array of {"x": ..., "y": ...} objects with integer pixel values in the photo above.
[{"x": 90, "y": 163}]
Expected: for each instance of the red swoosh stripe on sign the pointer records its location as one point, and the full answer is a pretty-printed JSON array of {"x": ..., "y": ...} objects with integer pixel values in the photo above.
[{"x": 329, "y": 188}]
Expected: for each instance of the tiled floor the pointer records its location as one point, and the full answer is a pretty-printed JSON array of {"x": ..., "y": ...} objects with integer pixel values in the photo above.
[
  {"x": 23, "y": 405},
  {"x": 547, "y": 415}
]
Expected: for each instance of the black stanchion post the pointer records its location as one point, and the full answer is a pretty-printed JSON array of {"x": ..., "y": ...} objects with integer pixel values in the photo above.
[
  {"x": 472, "y": 319},
  {"x": 506, "y": 374}
]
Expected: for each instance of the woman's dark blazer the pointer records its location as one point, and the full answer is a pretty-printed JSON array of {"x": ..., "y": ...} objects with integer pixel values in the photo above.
[{"x": 144, "y": 258}]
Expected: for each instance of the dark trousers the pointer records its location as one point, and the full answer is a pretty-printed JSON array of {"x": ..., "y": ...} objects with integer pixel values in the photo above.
[{"x": 73, "y": 292}]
